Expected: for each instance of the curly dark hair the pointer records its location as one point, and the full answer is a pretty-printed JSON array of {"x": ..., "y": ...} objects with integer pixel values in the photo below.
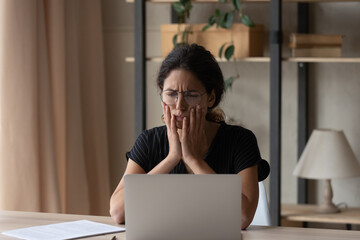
[{"x": 202, "y": 64}]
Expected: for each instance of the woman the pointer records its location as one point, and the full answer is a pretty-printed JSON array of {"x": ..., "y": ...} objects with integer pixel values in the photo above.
[{"x": 195, "y": 138}]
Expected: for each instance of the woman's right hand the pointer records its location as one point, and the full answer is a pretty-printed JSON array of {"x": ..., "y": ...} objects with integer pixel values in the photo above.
[{"x": 175, "y": 152}]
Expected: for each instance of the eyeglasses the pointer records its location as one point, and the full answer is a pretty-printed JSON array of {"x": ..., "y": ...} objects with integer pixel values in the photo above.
[{"x": 192, "y": 97}]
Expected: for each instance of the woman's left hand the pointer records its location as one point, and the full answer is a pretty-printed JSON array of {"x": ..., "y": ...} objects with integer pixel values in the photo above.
[{"x": 193, "y": 139}]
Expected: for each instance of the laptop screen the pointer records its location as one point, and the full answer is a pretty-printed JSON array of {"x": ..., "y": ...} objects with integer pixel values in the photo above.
[{"x": 182, "y": 206}]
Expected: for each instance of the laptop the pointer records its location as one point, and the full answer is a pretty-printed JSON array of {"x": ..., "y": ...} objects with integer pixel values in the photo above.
[{"x": 182, "y": 206}]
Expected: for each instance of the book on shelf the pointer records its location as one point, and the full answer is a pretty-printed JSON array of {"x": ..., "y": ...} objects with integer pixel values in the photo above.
[
  {"x": 316, "y": 52},
  {"x": 299, "y": 40}
]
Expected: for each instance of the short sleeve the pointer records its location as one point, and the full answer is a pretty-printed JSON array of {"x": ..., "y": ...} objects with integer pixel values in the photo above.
[
  {"x": 247, "y": 152},
  {"x": 140, "y": 151},
  {"x": 247, "y": 155},
  {"x": 263, "y": 170}
]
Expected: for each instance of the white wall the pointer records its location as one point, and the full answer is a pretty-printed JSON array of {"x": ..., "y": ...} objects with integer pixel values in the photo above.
[{"x": 334, "y": 91}]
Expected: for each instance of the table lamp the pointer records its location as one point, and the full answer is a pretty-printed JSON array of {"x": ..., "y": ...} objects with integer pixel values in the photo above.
[{"x": 327, "y": 155}]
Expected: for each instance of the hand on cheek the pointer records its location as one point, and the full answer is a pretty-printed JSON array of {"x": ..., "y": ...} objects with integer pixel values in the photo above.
[
  {"x": 173, "y": 137},
  {"x": 194, "y": 143}
]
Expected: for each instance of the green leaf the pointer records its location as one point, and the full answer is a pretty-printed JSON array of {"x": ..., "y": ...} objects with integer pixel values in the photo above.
[
  {"x": 220, "y": 20},
  {"x": 178, "y": 7},
  {"x": 245, "y": 19},
  {"x": 236, "y": 4},
  {"x": 228, "y": 82},
  {"x": 212, "y": 20},
  {"x": 228, "y": 21},
  {"x": 222, "y": 1},
  {"x": 206, "y": 27},
  {"x": 229, "y": 52},
  {"x": 221, "y": 50},
  {"x": 174, "y": 40},
  {"x": 185, "y": 2},
  {"x": 217, "y": 13},
  {"x": 188, "y": 8},
  {"x": 184, "y": 36}
]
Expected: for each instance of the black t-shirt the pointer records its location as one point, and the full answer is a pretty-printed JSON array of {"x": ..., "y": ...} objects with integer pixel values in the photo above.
[{"x": 233, "y": 149}]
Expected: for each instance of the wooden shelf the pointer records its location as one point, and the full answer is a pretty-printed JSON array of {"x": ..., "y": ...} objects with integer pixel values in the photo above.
[
  {"x": 267, "y": 59},
  {"x": 198, "y": 1},
  {"x": 322, "y": 60},
  {"x": 307, "y": 213},
  {"x": 249, "y": 59},
  {"x": 249, "y": 1},
  {"x": 150, "y": 59},
  {"x": 314, "y": 1}
]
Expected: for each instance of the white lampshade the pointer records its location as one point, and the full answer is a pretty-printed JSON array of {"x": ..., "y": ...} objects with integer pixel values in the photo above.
[{"x": 327, "y": 155}]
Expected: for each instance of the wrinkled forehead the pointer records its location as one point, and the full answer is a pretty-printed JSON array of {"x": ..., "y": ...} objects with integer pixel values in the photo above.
[{"x": 182, "y": 80}]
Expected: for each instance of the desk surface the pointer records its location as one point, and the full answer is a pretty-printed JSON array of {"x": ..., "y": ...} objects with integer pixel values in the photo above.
[
  {"x": 307, "y": 213},
  {"x": 12, "y": 220}
]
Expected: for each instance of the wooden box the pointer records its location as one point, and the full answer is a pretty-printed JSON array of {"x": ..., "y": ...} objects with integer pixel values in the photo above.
[
  {"x": 249, "y": 42},
  {"x": 315, "y": 45}
]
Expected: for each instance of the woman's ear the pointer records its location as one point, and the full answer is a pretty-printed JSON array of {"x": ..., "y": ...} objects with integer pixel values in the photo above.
[{"x": 212, "y": 98}]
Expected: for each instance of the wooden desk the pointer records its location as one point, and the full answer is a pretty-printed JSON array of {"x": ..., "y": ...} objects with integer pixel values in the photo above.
[
  {"x": 307, "y": 213},
  {"x": 12, "y": 220}
]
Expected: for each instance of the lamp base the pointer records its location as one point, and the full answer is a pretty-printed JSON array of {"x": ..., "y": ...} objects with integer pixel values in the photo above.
[{"x": 327, "y": 208}]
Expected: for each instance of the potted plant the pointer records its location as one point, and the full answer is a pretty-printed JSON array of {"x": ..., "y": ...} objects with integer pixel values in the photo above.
[
  {"x": 225, "y": 20},
  {"x": 220, "y": 35}
]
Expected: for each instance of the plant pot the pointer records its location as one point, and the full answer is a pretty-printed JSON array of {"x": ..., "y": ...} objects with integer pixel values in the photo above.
[{"x": 248, "y": 42}]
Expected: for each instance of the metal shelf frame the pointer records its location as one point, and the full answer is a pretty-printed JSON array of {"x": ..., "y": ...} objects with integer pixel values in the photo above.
[
  {"x": 140, "y": 65},
  {"x": 275, "y": 41},
  {"x": 275, "y": 92},
  {"x": 275, "y": 59}
]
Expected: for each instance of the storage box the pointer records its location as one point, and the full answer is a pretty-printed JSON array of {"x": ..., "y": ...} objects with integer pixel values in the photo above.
[
  {"x": 303, "y": 40},
  {"x": 315, "y": 45},
  {"x": 249, "y": 42},
  {"x": 316, "y": 52}
]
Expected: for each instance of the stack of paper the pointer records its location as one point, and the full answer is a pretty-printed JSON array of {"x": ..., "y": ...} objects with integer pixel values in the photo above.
[{"x": 66, "y": 230}]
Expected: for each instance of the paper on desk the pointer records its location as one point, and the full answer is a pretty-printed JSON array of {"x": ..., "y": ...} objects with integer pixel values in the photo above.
[{"x": 66, "y": 230}]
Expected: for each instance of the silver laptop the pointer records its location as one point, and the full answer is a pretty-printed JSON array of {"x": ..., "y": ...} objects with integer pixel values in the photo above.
[{"x": 176, "y": 206}]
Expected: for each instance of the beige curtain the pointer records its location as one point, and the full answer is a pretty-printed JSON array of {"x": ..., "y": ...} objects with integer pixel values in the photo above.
[{"x": 53, "y": 135}]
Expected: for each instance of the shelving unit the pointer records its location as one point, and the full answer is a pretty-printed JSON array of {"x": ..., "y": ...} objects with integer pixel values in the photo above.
[
  {"x": 267, "y": 59},
  {"x": 322, "y": 60},
  {"x": 249, "y": 59},
  {"x": 275, "y": 50},
  {"x": 246, "y": 1},
  {"x": 275, "y": 60}
]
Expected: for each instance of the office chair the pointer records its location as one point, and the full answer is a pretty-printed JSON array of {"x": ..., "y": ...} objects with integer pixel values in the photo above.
[{"x": 262, "y": 214}]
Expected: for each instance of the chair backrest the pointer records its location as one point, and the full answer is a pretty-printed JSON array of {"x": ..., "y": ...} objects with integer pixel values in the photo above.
[{"x": 262, "y": 214}]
